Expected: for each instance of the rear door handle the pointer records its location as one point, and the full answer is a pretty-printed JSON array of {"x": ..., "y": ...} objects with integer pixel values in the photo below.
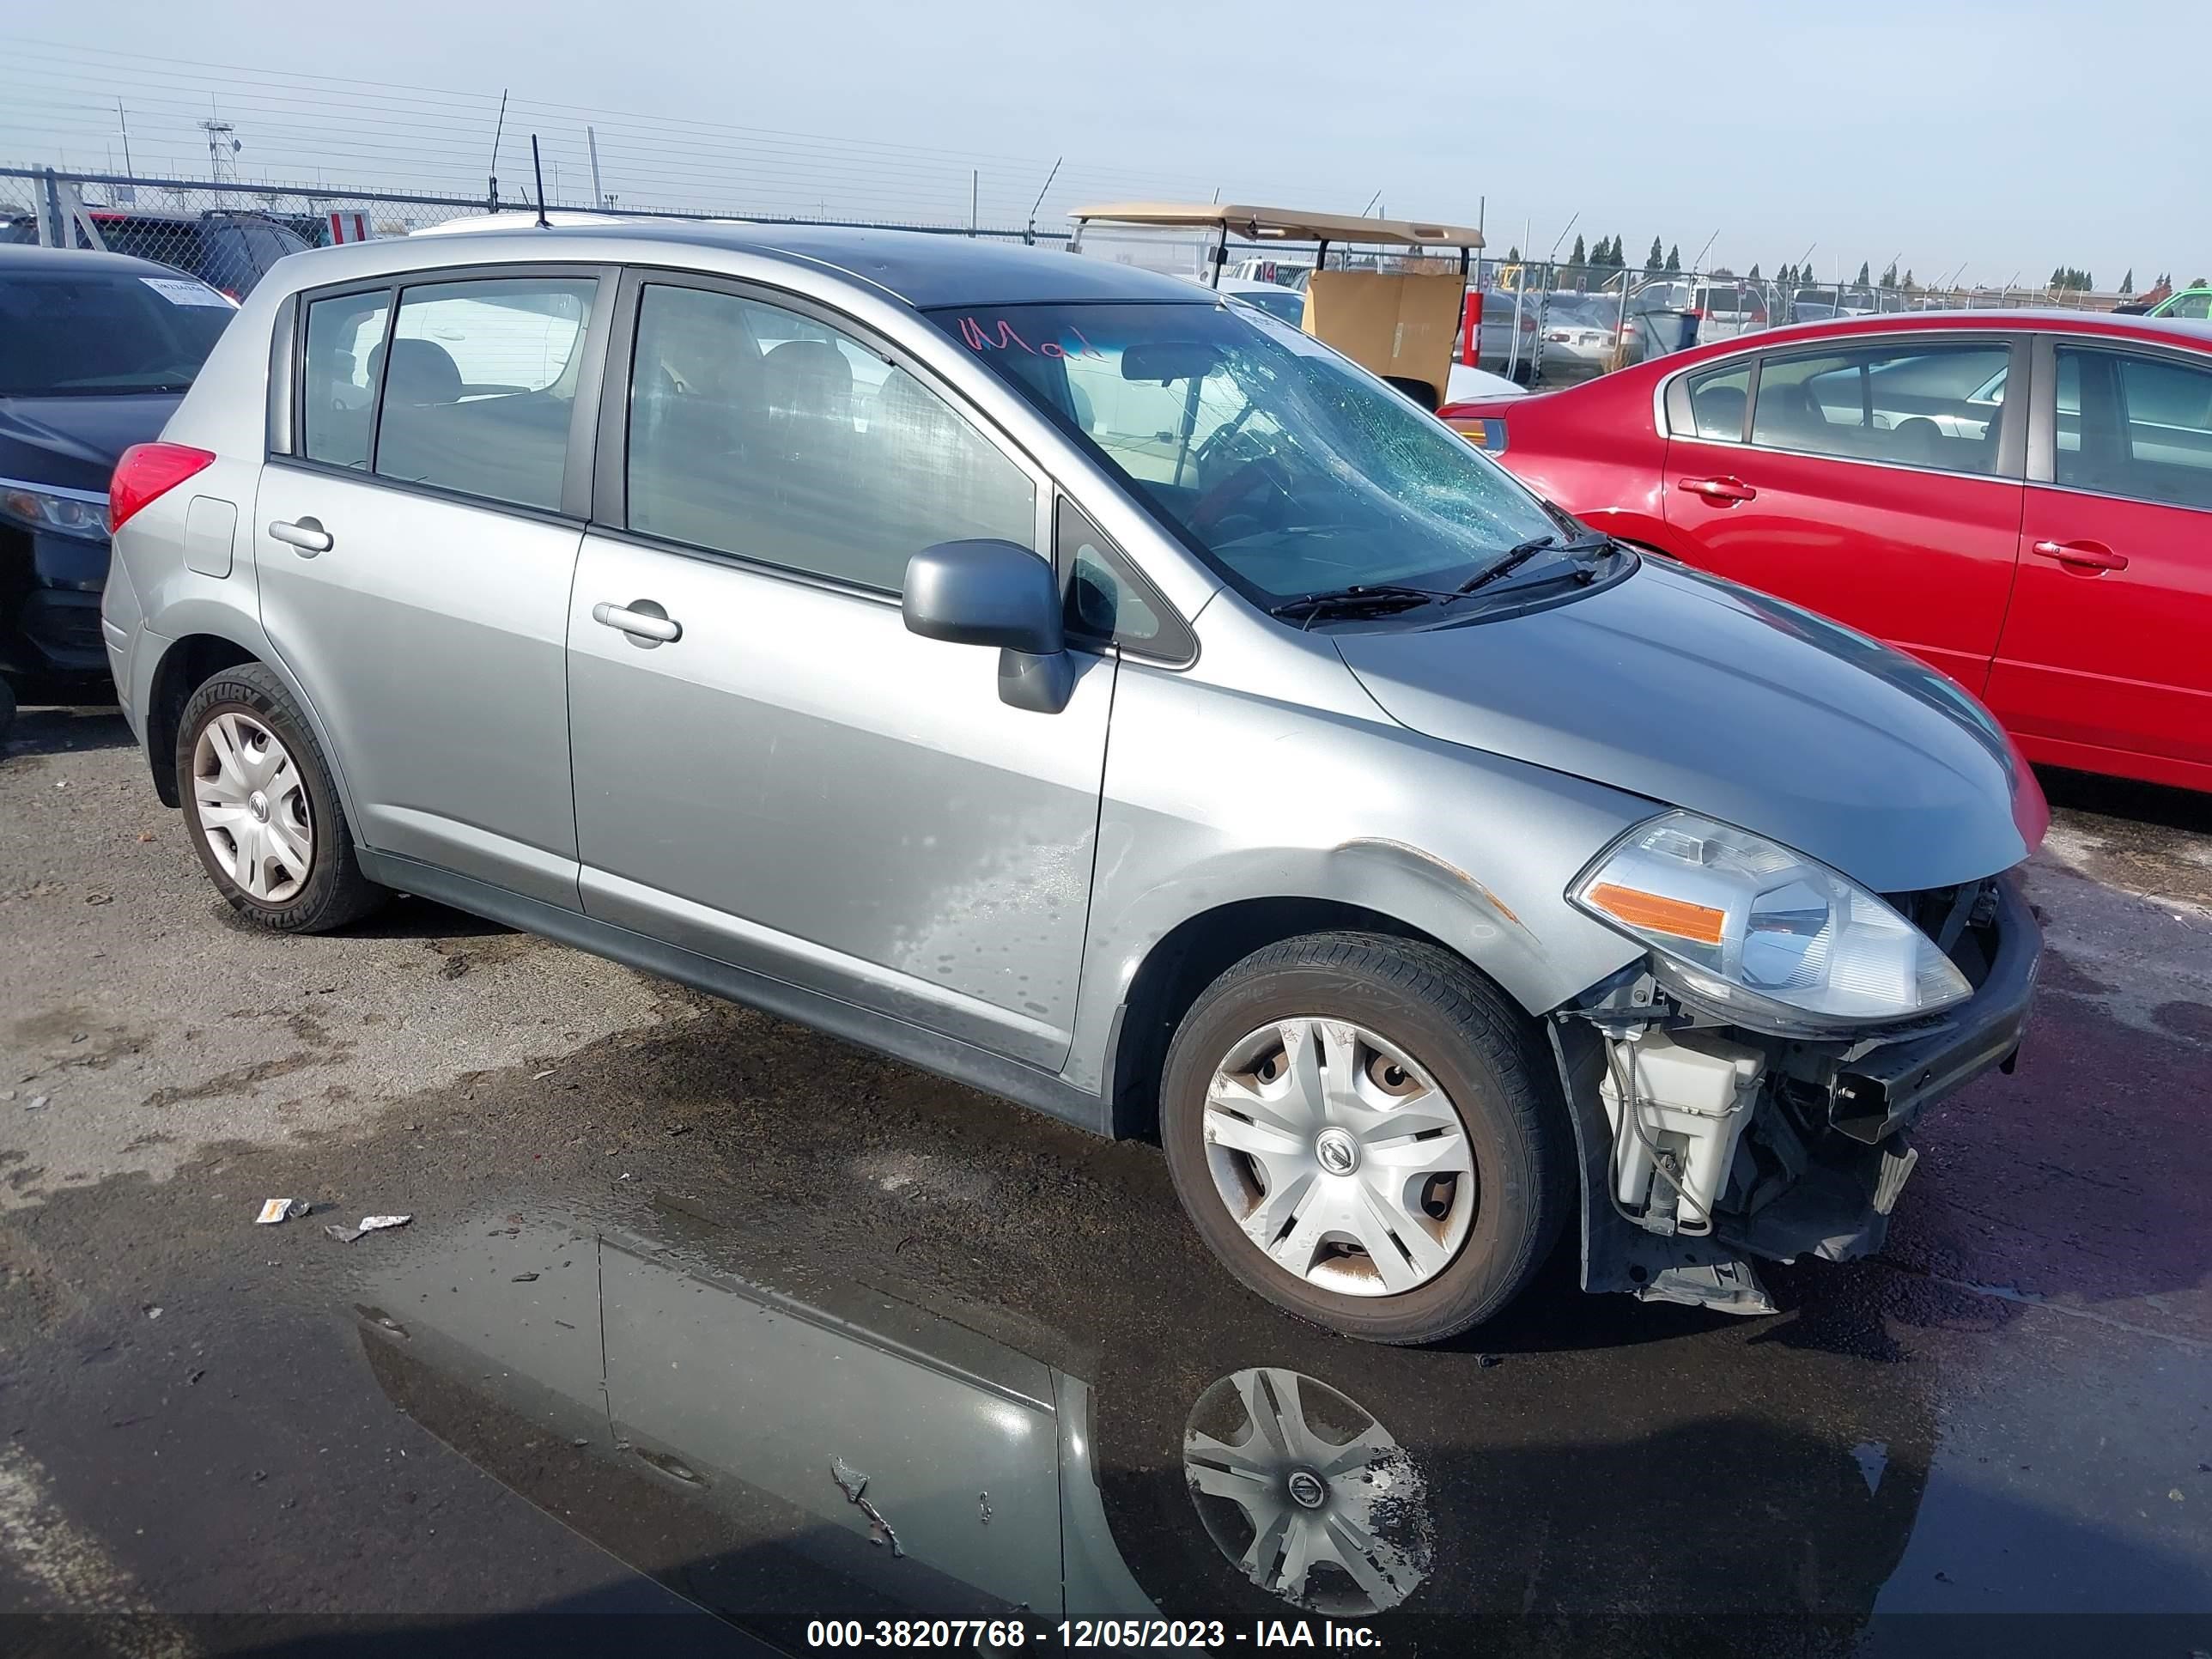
[
  {"x": 2090, "y": 556},
  {"x": 307, "y": 535},
  {"x": 639, "y": 623},
  {"x": 1720, "y": 491}
]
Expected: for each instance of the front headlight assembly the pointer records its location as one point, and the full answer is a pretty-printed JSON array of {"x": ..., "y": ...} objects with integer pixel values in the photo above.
[
  {"x": 78, "y": 512},
  {"x": 1750, "y": 928}
]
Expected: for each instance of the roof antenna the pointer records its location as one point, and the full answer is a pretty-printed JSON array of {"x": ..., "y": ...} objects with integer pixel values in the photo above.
[
  {"x": 539, "y": 167},
  {"x": 497, "y": 132},
  {"x": 1030, "y": 235}
]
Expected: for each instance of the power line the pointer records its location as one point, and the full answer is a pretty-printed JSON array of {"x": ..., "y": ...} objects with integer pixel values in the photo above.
[{"x": 482, "y": 104}]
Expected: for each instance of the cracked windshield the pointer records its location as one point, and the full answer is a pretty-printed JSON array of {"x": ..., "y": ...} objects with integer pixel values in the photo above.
[{"x": 1295, "y": 473}]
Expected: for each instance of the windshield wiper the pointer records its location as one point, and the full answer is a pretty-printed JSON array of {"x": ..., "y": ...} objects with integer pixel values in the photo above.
[
  {"x": 1521, "y": 552},
  {"x": 1362, "y": 598}
]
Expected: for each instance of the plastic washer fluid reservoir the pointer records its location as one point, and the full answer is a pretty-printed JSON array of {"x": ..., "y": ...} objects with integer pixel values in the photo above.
[{"x": 1694, "y": 1091}]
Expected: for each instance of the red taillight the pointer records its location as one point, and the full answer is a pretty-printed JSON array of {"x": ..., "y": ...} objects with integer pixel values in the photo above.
[{"x": 148, "y": 471}]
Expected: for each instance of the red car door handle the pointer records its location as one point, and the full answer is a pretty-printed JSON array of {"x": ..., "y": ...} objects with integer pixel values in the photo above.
[
  {"x": 1720, "y": 491},
  {"x": 2090, "y": 556}
]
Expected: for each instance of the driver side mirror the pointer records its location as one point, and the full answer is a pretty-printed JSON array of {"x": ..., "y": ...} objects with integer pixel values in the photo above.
[{"x": 995, "y": 593}]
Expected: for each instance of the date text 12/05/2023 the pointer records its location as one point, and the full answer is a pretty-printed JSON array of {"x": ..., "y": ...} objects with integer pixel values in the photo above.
[{"x": 999, "y": 1634}]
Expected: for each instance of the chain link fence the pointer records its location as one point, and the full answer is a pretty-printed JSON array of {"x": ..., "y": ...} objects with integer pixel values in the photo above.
[
  {"x": 227, "y": 233},
  {"x": 1543, "y": 323},
  {"x": 1550, "y": 325}
]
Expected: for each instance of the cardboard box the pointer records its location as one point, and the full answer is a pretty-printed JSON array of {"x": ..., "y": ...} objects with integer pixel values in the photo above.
[{"x": 1400, "y": 325}]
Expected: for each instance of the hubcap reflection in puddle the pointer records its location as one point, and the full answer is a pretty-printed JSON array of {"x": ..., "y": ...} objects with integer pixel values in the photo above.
[{"x": 1309, "y": 1497}]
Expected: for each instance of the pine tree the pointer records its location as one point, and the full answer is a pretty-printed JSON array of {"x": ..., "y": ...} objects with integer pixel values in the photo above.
[
  {"x": 1889, "y": 276},
  {"x": 1754, "y": 273},
  {"x": 1657, "y": 257},
  {"x": 1674, "y": 259},
  {"x": 1575, "y": 262},
  {"x": 1863, "y": 278},
  {"x": 1909, "y": 284},
  {"x": 1512, "y": 256}
]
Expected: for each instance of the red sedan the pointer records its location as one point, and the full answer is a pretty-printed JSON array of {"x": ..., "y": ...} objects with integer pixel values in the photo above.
[{"x": 2021, "y": 498}]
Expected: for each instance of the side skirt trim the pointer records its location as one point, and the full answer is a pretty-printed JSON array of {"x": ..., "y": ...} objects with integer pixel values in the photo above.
[{"x": 948, "y": 1057}]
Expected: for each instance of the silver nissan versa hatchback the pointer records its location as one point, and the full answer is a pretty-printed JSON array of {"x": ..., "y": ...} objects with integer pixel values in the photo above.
[{"x": 1059, "y": 679}]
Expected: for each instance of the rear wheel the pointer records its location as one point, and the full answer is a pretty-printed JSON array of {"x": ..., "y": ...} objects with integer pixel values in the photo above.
[
  {"x": 264, "y": 812},
  {"x": 1365, "y": 1133}
]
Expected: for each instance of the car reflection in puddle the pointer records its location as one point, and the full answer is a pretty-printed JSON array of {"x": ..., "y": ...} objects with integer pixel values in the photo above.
[{"x": 779, "y": 1444}]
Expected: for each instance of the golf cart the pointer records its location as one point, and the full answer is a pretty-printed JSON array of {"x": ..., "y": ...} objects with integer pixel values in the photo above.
[{"x": 1400, "y": 323}]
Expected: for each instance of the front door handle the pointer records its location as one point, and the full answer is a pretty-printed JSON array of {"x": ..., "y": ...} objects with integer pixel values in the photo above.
[
  {"x": 1721, "y": 492},
  {"x": 306, "y": 536},
  {"x": 641, "y": 619},
  {"x": 2090, "y": 556}
]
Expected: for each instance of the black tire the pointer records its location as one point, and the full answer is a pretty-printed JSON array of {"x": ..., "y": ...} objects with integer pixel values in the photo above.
[
  {"x": 7, "y": 708},
  {"x": 335, "y": 892},
  {"x": 1488, "y": 1057}
]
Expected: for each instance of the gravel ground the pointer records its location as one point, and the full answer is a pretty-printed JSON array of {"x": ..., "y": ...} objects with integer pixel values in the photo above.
[{"x": 2007, "y": 1415}]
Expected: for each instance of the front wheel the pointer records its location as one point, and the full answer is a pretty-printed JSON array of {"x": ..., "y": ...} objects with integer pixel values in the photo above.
[{"x": 1365, "y": 1133}]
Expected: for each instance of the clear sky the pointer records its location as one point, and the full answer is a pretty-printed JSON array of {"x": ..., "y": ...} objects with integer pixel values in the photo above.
[{"x": 2009, "y": 137}]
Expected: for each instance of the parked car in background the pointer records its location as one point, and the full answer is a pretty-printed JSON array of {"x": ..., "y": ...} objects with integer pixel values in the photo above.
[
  {"x": 1268, "y": 269},
  {"x": 1467, "y": 382},
  {"x": 1727, "y": 309},
  {"x": 1508, "y": 342},
  {"x": 1580, "y": 332},
  {"x": 2047, "y": 551},
  {"x": 2192, "y": 303},
  {"x": 95, "y": 351},
  {"x": 1662, "y": 294},
  {"x": 229, "y": 252},
  {"x": 1583, "y": 928},
  {"x": 1273, "y": 298}
]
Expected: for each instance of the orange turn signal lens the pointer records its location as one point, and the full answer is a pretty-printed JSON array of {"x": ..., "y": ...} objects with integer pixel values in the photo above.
[{"x": 1655, "y": 914}]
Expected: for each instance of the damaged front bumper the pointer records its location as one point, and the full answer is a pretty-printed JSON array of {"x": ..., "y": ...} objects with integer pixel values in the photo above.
[{"x": 1706, "y": 1145}]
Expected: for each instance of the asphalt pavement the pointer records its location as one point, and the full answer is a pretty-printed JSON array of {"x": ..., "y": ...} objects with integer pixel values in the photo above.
[{"x": 704, "y": 1324}]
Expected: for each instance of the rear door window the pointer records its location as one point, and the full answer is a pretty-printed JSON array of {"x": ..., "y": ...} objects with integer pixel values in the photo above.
[
  {"x": 480, "y": 385},
  {"x": 1905, "y": 405},
  {"x": 2134, "y": 426}
]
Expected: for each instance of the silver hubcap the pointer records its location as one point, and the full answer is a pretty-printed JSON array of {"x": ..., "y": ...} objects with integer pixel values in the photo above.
[
  {"x": 253, "y": 807},
  {"x": 1307, "y": 1493},
  {"x": 1339, "y": 1156}
]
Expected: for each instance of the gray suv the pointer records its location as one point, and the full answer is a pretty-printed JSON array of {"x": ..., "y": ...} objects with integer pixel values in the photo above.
[{"x": 1064, "y": 680}]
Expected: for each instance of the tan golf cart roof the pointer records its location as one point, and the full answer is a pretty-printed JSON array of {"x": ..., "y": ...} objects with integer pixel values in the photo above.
[{"x": 1280, "y": 224}]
